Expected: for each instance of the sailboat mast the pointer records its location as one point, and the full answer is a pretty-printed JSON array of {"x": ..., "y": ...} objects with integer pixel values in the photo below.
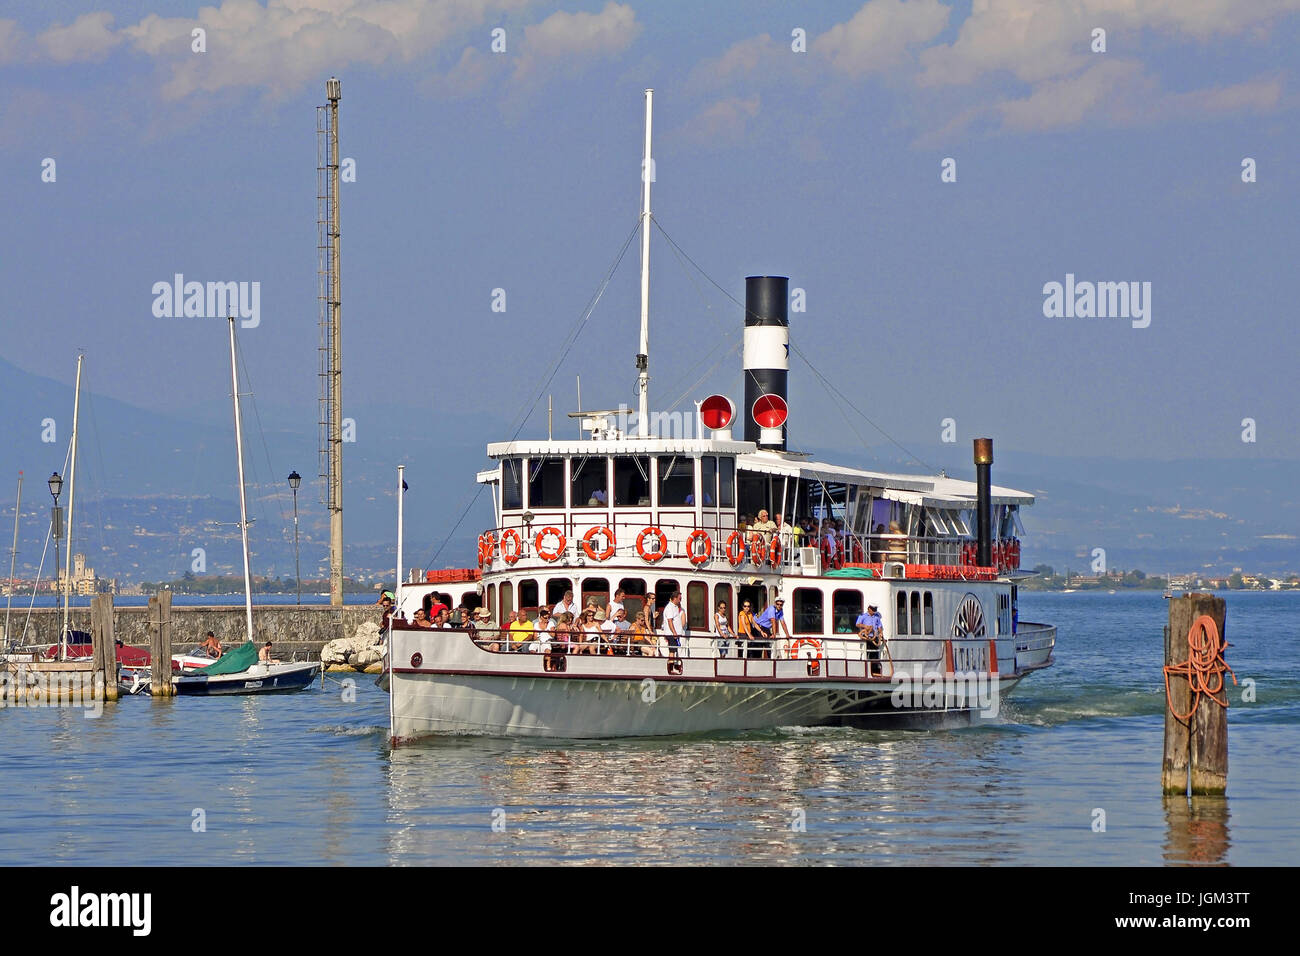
[
  {"x": 643, "y": 356},
  {"x": 13, "y": 554},
  {"x": 72, "y": 498},
  {"x": 243, "y": 503}
]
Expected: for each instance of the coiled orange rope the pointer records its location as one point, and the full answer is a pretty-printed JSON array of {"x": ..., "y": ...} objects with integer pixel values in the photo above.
[{"x": 1204, "y": 667}]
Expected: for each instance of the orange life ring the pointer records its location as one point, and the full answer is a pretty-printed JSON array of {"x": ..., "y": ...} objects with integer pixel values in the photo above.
[
  {"x": 757, "y": 549},
  {"x": 701, "y": 556},
  {"x": 545, "y": 553},
  {"x": 486, "y": 546},
  {"x": 774, "y": 555},
  {"x": 512, "y": 555},
  {"x": 652, "y": 556},
  {"x": 811, "y": 642},
  {"x": 967, "y": 554},
  {"x": 736, "y": 549},
  {"x": 1014, "y": 559},
  {"x": 591, "y": 550}
]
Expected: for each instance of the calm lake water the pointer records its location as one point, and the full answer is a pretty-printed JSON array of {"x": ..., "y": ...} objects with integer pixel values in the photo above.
[{"x": 309, "y": 778}]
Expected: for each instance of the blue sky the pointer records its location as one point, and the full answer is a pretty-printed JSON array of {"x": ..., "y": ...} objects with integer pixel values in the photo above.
[{"x": 519, "y": 170}]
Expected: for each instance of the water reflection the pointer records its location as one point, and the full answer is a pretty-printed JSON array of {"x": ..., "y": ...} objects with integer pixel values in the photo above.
[
  {"x": 1196, "y": 831},
  {"x": 770, "y": 798}
]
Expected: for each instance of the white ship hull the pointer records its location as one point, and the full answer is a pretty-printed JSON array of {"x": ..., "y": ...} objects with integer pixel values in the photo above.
[{"x": 442, "y": 683}]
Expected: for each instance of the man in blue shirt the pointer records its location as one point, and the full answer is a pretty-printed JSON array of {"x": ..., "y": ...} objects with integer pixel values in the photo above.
[
  {"x": 872, "y": 630},
  {"x": 767, "y": 623}
]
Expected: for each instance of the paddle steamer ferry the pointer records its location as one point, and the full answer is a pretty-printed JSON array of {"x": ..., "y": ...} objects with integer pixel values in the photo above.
[{"x": 622, "y": 509}]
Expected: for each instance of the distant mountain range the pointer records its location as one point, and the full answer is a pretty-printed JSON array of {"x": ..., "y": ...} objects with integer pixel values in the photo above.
[{"x": 154, "y": 487}]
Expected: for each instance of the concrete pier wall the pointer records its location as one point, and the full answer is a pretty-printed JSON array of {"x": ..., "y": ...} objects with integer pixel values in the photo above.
[{"x": 291, "y": 628}]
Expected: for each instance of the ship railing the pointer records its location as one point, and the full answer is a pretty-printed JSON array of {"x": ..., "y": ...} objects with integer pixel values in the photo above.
[
  {"x": 1034, "y": 637},
  {"x": 696, "y": 645},
  {"x": 806, "y": 553}
]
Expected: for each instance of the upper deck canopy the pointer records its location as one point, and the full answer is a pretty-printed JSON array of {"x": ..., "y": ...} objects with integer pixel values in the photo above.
[{"x": 932, "y": 491}]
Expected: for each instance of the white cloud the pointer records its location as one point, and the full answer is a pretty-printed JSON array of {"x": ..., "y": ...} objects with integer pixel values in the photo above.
[
  {"x": 565, "y": 39},
  {"x": 721, "y": 123},
  {"x": 1036, "y": 40},
  {"x": 880, "y": 35},
  {"x": 12, "y": 42}
]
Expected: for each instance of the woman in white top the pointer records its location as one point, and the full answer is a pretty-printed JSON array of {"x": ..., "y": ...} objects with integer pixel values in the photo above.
[
  {"x": 590, "y": 628},
  {"x": 722, "y": 625}
]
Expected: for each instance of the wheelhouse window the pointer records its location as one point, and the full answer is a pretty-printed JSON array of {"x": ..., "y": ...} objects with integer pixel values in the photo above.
[
  {"x": 589, "y": 482},
  {"x": 916, "y": 613},
  {"x": 726, "y": 482},
  {"x": 676, "y": 480},
  {"x": 900, "y": 614},
  {"x": 846, "y": 608},
  {"x": 512, "y": 484},
  {"x": 808, "y": 611},
  {"x": 632, "y": 481},
  {"x": 709, "y": 481},
  {"x": 546, "y": 483},
  {"x": 927, "y": 612}
]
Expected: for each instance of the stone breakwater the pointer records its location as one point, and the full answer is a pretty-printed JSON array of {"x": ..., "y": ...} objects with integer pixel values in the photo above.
[{"x": 292, "y": 629}]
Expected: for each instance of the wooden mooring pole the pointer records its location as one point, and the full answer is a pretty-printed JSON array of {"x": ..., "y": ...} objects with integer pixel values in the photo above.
[
  {"x": 1196, "y": 714},
  {"x": 103, "y": 646},
  {"x": 160, "y": 644}
]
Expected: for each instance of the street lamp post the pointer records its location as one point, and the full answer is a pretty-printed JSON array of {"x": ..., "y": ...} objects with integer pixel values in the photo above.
[
  {"x": 295, "y": 480},
  {"x": 56, "y": 532}
]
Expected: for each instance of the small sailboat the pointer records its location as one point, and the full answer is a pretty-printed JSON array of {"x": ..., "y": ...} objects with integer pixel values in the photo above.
[{"x": 241, "y": 670}]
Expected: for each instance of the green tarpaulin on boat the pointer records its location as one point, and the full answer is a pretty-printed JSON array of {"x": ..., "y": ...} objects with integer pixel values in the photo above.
[
  {"x": 851, "y": 573},
  {"x": 233, "y": 661}
]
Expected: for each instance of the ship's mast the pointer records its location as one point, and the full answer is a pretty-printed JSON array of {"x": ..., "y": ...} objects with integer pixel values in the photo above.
[
  {"x": 13, "y": 555},
  {"x": 643, "y": 356},
  {"x": 72, "y": 492},
  {"x": 327, "y": 172},
  {"x": 243, "y": 503}
]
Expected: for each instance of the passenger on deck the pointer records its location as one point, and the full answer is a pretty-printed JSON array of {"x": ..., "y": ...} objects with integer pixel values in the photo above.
[
  {"x": 722, "y": 625},
  {"x": 521, "y": 631},
  {"x": 764, "y": 526},
  {"x": 674, "y": 623},
  {"x": 421, "y": 618},
  {"x": 211, "y": 645},
  {"x": 562, "y": 633},
  {"x": 642, "y": 640},
  {"x": 744, "y": 629},
  {"x": 784, "y": 535},
  {"x": 897, "y": 543},
  {"x": 617, "y": 603},
  {"x": 872, "y": 630},
  {"x": 264, "y": 654},
  {"x": 483, "y": 631},
  {"x": 443, "y": 620},
  {"x": 615, "y": 632},
  {"x": 544, "y": 619},
  {"x": 567, "y": 605},
  {"x": 597, "y": 499},
  {"x": 589, "y": 632},
  {"x": 770, "y": 622}
]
